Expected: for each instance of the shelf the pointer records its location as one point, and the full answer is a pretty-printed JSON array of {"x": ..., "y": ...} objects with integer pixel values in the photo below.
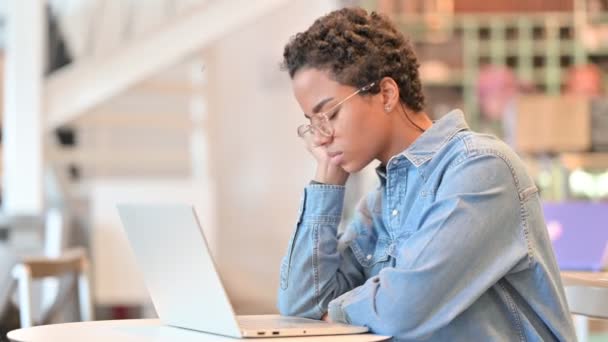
[
  {"x": 456, "y": 80},
  {"x": 452, "y": 82},
  {"x": 539, "y": 48},
  {"x": 600, "y": 52},
  {"x": 449, "y": 21},
  {"x": 589, "y": 161}
]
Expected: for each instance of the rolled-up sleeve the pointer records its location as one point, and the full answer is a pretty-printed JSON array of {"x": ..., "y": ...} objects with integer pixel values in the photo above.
[{"x": 467, "y": 240}]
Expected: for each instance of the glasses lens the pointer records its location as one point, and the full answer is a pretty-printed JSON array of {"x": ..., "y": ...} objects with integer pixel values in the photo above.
[
  {"x": 322, "y": 126},
  {"x": 304, "y": 130}
]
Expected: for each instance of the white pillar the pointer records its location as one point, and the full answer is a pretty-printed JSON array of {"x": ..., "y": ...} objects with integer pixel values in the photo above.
[
  {"x": 22, "y": 128},
  {"x": 199, "y": 150}
]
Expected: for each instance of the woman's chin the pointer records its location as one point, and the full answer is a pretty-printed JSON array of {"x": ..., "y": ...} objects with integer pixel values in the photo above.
[{"x": 351, "y": 167}]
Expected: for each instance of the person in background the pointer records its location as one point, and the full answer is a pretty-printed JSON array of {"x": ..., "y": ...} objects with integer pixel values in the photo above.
[
  {"x": 584, "y": 80},
  {"x": 451, "y": 245},
  {"x": 497, "y": 91}
]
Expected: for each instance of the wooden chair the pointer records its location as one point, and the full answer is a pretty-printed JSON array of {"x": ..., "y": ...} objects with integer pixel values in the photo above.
[
  {"x": 588, "y": 301},
  {"x": 73, "y": 262},
  {"x": 587, "y": 296}
]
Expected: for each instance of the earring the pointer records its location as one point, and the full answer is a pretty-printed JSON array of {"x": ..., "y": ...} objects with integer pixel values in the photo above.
[{"x": 387, "y": 109}]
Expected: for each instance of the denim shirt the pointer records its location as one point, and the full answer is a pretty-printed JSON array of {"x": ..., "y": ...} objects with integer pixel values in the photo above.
[{"x": 451, "y": 246}]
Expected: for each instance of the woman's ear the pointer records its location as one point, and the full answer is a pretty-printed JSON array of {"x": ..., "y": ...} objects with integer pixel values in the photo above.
[{"x": 390, "y": 93}]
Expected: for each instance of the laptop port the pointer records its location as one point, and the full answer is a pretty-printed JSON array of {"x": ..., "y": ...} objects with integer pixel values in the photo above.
[
  {"x": 261, "y": 333},
  {"x": 275, "y": 332}
]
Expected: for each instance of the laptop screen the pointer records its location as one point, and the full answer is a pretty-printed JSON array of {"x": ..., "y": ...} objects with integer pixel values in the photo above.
[{"x": 579, "y": 234}]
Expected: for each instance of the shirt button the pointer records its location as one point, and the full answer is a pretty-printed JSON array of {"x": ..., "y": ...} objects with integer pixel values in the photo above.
[
  {"x": 395, "y": 212},
  {"x": 369, "y": 256}
]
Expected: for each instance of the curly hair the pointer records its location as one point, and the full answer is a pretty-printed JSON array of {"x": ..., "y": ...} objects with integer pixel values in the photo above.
[{"x": 357, "y": 49}]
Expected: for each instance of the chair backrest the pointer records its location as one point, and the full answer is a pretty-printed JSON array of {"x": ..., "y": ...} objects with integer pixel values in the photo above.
[
  {"x": 74, "y": 262},
  {"x": 588, "y": 300}
]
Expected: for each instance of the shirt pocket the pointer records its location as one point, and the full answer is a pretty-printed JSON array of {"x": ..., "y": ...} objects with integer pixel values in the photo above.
[{"x": 369, "y": 254}]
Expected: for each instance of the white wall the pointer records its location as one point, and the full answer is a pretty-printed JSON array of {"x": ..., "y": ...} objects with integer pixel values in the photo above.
[
  {"x": 22, "y": 122},
  {"x": 259, "y": 164}
]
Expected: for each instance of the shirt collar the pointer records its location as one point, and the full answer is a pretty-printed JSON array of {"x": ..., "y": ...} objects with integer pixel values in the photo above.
[{"x": 431, "y": 141}]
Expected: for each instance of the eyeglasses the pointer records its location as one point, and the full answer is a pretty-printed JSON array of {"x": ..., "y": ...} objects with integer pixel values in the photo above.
[{"x": 319, "y": 123}]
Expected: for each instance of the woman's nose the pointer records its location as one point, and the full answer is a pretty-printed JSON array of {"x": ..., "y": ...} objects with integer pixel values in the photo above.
[{"x": 321, "y": 139}]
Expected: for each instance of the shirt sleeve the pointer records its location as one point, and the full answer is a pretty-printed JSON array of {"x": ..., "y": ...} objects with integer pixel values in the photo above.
[
  {"x": 316, "y": 269},
  {"x": 467, "y": 240}
]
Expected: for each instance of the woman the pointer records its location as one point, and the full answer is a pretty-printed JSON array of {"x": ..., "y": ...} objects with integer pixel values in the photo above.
[{"x": 452, "y": 244}]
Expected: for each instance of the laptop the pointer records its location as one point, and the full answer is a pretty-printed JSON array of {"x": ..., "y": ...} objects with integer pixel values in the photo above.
[
  {"x": 579, "y": 234},
  {"x": 186, "y": 290}
]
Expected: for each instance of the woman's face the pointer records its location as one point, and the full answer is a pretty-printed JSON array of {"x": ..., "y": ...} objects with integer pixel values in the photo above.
[{"x": 360, "y": 124}]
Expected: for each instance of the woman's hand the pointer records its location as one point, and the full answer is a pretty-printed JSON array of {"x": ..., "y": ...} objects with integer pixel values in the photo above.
[{"x": 327, "y": 172}]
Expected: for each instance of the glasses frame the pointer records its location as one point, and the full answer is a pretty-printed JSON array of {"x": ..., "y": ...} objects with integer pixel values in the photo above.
[{"x": 323, "y": 126}]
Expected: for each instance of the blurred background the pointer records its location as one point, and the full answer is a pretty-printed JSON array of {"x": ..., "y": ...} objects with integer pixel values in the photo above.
[{"x": 107, "y": 101}]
